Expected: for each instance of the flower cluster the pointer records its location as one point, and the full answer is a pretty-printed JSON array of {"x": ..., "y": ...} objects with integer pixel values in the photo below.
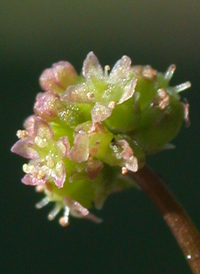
[{"x": 89, "y": 131}]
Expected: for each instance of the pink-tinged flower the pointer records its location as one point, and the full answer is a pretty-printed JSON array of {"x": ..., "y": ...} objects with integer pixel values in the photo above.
[
  {"x": 45, "y": 152},
  {"x": 59, "y": 77},
  {"x": 118, "y": 86},
  {"x": 113, "y": 119},
  {"x": 47, "y": 105},
  {"x": 70, "y": 206},
  {"x": 29, "y": 125},
  {"x": 129, "y": 161},
  {"x": 80, "y": 151}
]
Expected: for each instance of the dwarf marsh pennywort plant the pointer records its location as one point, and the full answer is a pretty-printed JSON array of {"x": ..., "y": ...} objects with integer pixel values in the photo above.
[
  {"x": 90, "y": 134},
  {"x": 88, "y": 131}
]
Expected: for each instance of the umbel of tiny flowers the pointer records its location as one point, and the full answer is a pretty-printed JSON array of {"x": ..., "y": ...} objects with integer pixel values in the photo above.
[{"x": 89, "y": 130}]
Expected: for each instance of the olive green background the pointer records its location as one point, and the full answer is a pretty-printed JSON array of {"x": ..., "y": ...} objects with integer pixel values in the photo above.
[{"x": 133, "y": 237}]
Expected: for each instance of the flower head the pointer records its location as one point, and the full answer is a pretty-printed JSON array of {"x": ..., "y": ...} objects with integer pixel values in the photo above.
[
  {"x": 45, "y": 154},
  {"x": 89, "y": 131}
]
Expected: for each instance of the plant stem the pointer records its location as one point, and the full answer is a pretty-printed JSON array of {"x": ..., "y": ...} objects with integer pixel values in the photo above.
[{"x": 180, "y": 224}]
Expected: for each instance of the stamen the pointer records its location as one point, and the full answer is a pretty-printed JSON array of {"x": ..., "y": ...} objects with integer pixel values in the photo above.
[
  {"x": 39, "y": 188},
  {"x": 170, "y": 71},
  {"x": 28, "y": 168},
  {"x": 124, "y": 170},
  {"x": 183, "y": 86},
  {"x": 90, "y": 95},
  {"x": 106, "y": 69},
  {"x": 64, "y": 221},
  {"x": 21, "y": 134},
  {"x": 43, "y": 171},
  {"x": 50, "y": 162},
  {"x": 54, "y": 212},
  {"x": 42, "y": 203},
  {"x": 40, "y": 142},
  {"x": 112, "y": 104}
]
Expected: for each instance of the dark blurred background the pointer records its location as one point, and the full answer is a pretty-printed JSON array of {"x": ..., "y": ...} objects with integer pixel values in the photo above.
[{"x": 133, "y": 237}]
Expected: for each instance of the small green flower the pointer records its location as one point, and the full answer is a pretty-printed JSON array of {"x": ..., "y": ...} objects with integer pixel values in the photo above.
[{"x": 88, "y": 131}]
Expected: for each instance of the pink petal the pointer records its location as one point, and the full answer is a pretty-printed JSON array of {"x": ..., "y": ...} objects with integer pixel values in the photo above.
[
  {"x": 127, "y": 150},
  {"x": 93, "y": 218},
  {"x": 59, "y": 77},
  {"x": 29, "y": 179},
  {"x": 91, "y": 67},
  {"x": 59, "y": 174},
  {"x": 80, "y": 151},
  {"x": 77, "y": 94},
  {"x": 131, "y": 162},
  {"x": 77, "y": 210},
  {"x": 29, "y": 124},
  {"x": 100, "y": 113},
  {"x": 64, "y": 73},
  {"x": 129, "y": 90},
  {"x": 121, "y": 70},
  {"x": 23, "y": 148},
  {"x": 93, "y": 168},
  {"x": 63, "y": 146},
  {"x": 43, "y": 130},
  {"x": 47, "y": 105}
]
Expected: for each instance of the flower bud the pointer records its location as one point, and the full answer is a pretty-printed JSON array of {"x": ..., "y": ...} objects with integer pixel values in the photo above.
[
  {"x": 47, "y": 105},
  {"x": 58, "y": 78}
]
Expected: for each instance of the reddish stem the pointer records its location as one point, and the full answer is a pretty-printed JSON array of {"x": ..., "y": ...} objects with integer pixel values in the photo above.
[{"x": 180, "y": 224}]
